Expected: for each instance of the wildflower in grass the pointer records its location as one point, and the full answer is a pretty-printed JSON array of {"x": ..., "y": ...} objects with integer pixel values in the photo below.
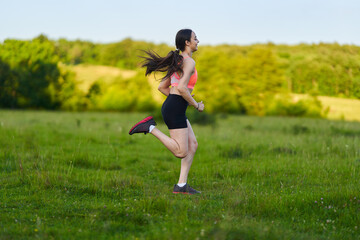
[
  {"x": 315, "y": 201},
  {"x": 36, "y": 230}
]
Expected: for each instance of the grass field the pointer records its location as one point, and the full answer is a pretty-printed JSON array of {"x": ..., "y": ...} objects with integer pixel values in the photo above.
[
  {"x": 342, "y": 108},
  {"x": 339, "y": 108},
  {"x": 80, "y": 175}
]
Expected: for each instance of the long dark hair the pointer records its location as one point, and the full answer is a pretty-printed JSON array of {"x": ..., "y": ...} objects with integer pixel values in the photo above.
[{"x": 172, "y": 62}]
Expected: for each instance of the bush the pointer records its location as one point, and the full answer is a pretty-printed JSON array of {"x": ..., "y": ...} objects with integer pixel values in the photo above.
[
  {"x": 201, "y": 118},
  {"x": 131, "y": 94},
  {"x": 285, "y": 106}
]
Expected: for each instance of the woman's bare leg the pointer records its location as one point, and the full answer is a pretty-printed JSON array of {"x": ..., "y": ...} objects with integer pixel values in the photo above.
[
  {"x": 187, "y": 161},
  {"x": 177, "y": 143}
]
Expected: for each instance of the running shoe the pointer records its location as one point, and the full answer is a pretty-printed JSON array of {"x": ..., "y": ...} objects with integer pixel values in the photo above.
[
  {"x": 143, "y": 126},
  {"x": 186, "y": 189}
]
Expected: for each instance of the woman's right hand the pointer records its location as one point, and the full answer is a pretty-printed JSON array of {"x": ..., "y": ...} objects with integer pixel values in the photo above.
[{"x": 201, "y": 106}]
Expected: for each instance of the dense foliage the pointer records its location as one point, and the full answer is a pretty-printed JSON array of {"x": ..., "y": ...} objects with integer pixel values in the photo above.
[
  {"x": 251, "y": 79},
  {"x": 30, "y": 77}
]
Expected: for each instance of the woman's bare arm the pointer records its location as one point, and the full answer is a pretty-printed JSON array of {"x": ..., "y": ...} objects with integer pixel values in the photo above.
[
  {"x": 188, "y": 69},
  {"x": 164, "y": 87}
]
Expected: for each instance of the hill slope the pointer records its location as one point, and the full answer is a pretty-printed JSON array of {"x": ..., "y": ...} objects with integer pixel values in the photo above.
[
  {"x": 339, "y": 108},
  {"x": 86, "y": 74}
]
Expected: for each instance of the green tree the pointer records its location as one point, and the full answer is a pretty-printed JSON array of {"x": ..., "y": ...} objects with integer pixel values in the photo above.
[
  {"x": 8, "y": 84},
  {"x": 35, "y": 74}
]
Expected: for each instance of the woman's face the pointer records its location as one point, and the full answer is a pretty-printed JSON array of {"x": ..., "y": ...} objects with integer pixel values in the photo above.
[{"x": 193, "y": 42}]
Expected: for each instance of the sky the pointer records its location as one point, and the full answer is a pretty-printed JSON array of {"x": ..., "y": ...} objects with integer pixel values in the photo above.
[{"x": 241, "y": 22}]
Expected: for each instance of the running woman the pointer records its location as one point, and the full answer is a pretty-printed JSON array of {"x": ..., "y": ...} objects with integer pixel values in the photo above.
[{"x": 181, "y": 76}]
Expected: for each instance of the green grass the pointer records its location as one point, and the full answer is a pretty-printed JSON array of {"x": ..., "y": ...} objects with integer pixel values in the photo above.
[{"x": 80, "y": 175}]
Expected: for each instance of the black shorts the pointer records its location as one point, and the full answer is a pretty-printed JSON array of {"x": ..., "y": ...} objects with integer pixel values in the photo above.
[{"x": 173, "y": 111}]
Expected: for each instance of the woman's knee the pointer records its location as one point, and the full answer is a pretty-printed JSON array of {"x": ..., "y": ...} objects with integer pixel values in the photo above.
[
  {"x": 193, "y": 146},
  {"x": 181, "y": 154}
]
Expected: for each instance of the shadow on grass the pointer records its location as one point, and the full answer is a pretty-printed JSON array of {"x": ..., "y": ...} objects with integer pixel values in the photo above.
[
  {"x": 82, "y": 160},
  {"x": 344, "y": 132}
]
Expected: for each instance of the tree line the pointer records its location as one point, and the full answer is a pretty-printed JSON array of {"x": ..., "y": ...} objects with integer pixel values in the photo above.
[{"x": 254, "y": 79}]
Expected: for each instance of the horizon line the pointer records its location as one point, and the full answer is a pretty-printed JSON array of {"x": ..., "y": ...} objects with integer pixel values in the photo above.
[{"x": 268, "y": 42}]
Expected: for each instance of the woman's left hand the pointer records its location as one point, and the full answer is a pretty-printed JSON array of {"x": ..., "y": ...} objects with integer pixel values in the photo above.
[{"x": 201, "y": 106}]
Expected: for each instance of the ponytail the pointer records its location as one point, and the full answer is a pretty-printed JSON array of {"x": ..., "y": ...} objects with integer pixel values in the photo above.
[{"x": 172, "y": 63}]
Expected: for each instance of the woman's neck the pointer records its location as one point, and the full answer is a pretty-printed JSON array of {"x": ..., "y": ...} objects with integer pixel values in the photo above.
[{"x": 189, "y": 53}]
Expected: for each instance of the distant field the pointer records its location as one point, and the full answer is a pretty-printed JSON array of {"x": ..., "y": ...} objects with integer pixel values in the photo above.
[
  {"x": 340, "y": 108},
  {"x": 88, "y": 74},
  {"x": 80, "y": 175}
]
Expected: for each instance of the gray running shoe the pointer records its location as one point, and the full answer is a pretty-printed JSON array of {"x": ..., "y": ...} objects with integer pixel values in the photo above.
[
  {"x": 143, "y": 126},
  {"x": 185, "y": 190}
]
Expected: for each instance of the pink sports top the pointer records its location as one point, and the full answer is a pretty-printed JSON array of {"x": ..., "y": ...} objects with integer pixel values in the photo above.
[{"x": 175, "y": 79}]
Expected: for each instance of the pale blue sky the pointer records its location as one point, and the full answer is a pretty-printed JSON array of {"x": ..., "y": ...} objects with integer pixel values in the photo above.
[{"x": 215, "y": 22}]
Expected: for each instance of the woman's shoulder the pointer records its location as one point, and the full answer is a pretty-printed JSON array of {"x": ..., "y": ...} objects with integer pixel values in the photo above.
[{"x": 188, "y": 60}]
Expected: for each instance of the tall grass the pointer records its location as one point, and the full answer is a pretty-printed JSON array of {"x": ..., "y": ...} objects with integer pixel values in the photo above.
[{"x": 80, "y": 175}]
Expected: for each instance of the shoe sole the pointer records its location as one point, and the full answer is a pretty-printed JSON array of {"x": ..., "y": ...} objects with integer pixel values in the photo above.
[
  {"x": 186, "y": 193},
  {"x": 142, "y": 121},
  {"x": 183, "y": 193}
]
